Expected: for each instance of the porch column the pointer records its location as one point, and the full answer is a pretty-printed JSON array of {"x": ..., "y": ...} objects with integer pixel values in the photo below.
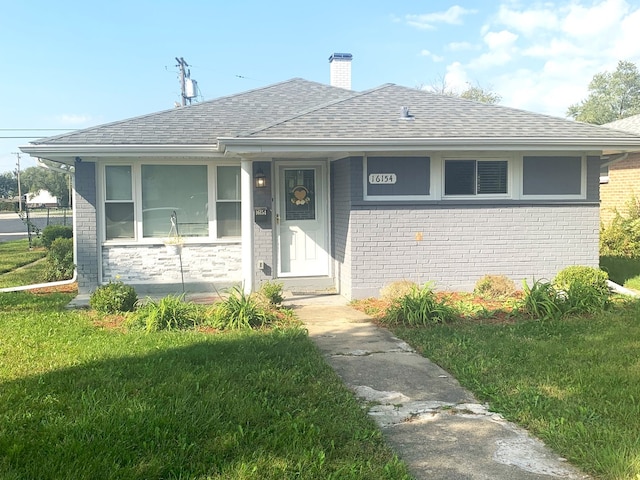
[{"x": 246, "y": 187}]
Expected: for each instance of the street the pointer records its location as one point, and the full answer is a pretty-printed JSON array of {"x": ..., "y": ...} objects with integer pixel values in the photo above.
[{"x": 11, "y": 227}]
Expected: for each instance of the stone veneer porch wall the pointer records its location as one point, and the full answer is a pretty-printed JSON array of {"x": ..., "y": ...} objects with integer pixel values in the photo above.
[{"x": 151, "y": 266}]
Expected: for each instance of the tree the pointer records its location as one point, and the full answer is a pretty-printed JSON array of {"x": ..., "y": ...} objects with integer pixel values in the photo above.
[
  {"x": 8, "y": 185},
  {"x": 612, "y": 96},
  {"x": 476, "y": 92},
  {"x": 34, "y": 179}
]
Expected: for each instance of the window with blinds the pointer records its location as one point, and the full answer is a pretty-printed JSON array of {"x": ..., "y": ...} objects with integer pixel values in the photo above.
[{"x": 476, "y": 177}]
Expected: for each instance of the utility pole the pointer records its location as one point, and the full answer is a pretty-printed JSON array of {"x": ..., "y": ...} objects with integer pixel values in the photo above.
[
  {"x": 17, "y": 154},
  {"x": 182, "y": 64}
]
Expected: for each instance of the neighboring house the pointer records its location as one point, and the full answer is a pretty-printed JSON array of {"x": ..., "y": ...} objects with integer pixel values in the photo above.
[
  {"x": 620, "y": 179},
  {"x": 41, "y": 198},
  {"x": 323, "y": 187}
]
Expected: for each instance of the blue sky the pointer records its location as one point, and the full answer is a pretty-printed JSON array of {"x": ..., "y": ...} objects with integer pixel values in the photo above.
[{"x": 74, "y": 64}]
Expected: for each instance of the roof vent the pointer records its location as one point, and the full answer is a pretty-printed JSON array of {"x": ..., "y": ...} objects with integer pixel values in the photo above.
[{"x": 405, "y": 115}]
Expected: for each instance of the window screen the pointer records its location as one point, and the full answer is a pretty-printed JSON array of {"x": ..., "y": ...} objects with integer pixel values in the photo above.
[{"x": 552, "y": 175}]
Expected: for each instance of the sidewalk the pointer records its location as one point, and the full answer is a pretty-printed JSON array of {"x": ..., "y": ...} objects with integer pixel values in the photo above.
[{"x": 438, "y": 428}]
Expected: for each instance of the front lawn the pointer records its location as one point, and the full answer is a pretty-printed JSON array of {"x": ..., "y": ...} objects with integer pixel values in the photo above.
[
  {"x": 573, "y": 382},
  {"x": 622, "y": 270},
  {"x": 79, "y": 400},
  {"x": 16, "y": 254}
]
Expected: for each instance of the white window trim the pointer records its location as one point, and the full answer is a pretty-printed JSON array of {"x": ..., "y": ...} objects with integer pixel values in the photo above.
[
  {"x": 479, "y": 158},
  {"x": 557, "y": 196},
  {"x": 136, "y": 179},
  {"x": 398, "y": 198}
]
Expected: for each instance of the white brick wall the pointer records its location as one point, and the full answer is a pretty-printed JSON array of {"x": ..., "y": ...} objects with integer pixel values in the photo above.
[{"x": 459, "y": 245}]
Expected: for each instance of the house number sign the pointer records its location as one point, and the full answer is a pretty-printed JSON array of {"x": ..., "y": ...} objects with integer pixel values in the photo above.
[{"x": 382, "y": 178}]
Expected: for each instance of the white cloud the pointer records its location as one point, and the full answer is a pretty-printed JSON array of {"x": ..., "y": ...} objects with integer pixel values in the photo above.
[
  {"x": 462, "y": 46},
  {"x": 432, "y": 56},
  {"x": 456, "y": 77},
  {"x": 542, "y": 56},
  {"x": 427, "y": 21},
  {"x": 74, "y": 119}
]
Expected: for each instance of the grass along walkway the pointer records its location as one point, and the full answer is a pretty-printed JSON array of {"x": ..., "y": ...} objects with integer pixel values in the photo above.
[
  {"x": 575, "y": 383},
  {"x": 84, "y": 402}
]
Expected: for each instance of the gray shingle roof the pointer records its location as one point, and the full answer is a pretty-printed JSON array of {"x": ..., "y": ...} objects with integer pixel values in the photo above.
[
  {"x": 203, "y": 123},
  {"x": 302, "y": 109},
  {"x": 630, "y": 124}
]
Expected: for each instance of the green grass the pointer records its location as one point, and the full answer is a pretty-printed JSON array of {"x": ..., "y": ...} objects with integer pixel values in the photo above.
[
  {"x": 623, "y": 271},
  {"x": 30, "y": 274},
  {"x": 16, "y": 253},
  {"x": 575, "y": 383},
  {"x": 84, "y": 402}
]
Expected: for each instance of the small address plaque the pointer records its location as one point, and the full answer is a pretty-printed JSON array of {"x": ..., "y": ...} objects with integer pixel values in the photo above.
[{"x": 382, "y": 178}]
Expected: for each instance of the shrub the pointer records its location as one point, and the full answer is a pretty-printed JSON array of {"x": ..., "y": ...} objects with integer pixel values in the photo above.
[
  {"x": 397, "y": 289},
  {"x": 622, "y": 236},
  {"x": 494, "y": 287},
  {"x": 114, "y": 297},
  {"x": 168, "y": 313},
  {"x": 52, "y": 232},
  {"x": 419, "y": 307},
  {"x": 272, "y": 291},
  {"x": 59, "y": 260},
  {"x": 587, "y": 276},
  {"x": 239, "y": 311}
]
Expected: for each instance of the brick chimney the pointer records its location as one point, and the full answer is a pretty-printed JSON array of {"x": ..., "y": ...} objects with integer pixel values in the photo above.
[{"x": 340, "y": 65}]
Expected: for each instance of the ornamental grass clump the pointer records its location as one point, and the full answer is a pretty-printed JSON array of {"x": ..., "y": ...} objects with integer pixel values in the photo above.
[
  {"x": 240, "y": 311},
  {"x": 419, "y": 307},
  {"x": 114, "y": 297},
  {"x": 169, "y": 313}
]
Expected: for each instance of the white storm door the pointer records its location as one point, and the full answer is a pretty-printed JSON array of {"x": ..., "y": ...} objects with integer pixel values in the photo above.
[{"x": 302, "y": 220}]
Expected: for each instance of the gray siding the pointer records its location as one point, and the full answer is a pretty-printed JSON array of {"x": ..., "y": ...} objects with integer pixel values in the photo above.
[
  {"x": 459, "y": 245},
  {"x": 263, "y": 231},
  {"x": 341, "y": 195},
  {"x": 454, "y": 245},
  {"x": 85, "y": 227}
]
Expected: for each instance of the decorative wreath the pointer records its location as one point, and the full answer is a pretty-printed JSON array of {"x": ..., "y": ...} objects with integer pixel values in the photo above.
[{"x": 300, "y": 195}]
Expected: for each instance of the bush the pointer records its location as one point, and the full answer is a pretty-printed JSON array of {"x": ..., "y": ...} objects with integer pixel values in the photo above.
[
  {"x": 542, "y": 301},
  {"x": 240, "y": 311},
  {"x": 59, "y": 260},
  {"x": 52, "y": 232},
  {"x": 114, "y": 297},
  {"x": 272, "y": 291},
  {"x": 621, "y": 237},
  {"x": 419, "y": 307},
  {"x": 494, "y": 287},
  {"x": 168, "y": 313},
  {"x": 397, "y": 289},
  {"x": 587, "y": 276}
]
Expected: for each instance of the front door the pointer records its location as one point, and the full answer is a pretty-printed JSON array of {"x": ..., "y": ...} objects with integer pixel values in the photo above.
[{"x": 302, "y": 220}]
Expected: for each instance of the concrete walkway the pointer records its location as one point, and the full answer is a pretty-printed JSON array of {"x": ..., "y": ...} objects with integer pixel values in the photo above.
[{"x": 437, "y": 427}]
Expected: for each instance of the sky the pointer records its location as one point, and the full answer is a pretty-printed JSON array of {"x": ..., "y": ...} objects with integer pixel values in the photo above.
[{"x": 69, "y": 64}]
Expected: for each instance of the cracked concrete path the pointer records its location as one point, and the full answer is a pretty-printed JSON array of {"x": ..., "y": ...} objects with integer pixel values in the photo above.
[{"x": 437, "y": 427}]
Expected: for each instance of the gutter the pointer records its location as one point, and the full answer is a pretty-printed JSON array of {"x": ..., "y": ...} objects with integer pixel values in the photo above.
[
  {"x": 69, "y": 152},
  {"x": 622, "y": 290}
]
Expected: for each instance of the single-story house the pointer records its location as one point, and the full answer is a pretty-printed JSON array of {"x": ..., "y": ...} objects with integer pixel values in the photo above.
[
  {"x": 318, "y": 186},
  {"x": 620, "y": 178}
]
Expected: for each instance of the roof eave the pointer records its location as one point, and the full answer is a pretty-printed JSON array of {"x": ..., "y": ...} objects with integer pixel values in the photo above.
[
  {"x": 273, "y": 145},
  {"x": 67, "y": 153}
]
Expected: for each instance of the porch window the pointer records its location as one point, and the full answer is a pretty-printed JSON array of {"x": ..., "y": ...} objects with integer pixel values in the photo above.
[
  {"x": 139, "y": 200},
  {"x": 118, "y": 208},
  {"x": 228, "y": 201},
  {"x": 475, "y": 177},
  {"x": 174, "y": 188}
]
